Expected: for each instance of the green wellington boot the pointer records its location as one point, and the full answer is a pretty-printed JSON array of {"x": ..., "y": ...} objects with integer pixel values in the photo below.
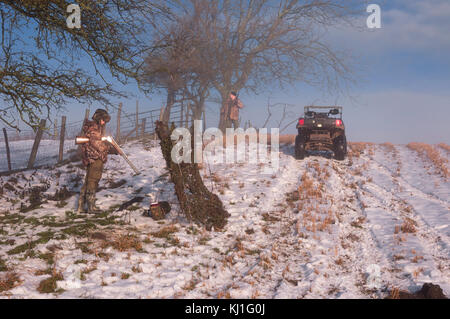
[
  {"x": 82, "y": 200},
  {"x": 92, "y": 208}
]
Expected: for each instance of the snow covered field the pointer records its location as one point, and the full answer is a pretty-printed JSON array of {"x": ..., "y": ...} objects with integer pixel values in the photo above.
[{"x": 317, "y": 228}]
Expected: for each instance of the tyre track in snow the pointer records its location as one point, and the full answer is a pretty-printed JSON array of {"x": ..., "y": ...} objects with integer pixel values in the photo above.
[
  {"x": 404, "y": 154},
  {"x": 371, "y": 248},
  {"x": 321, "y": 273},
  {"x": 434, "y": 245},
  {"x": 265, "y": 268},
  {"x": 402, "y": 186},
  {"x": 424, "y": 194},
  {"x": 288, "y": 260},
  {"x": 287, "y": 265},
  {"x": 430, "y": 240},
  {"x": 327, "y": 274},
  {"x": 443, "y": 238},
  {"x": 294, "y": 270}
]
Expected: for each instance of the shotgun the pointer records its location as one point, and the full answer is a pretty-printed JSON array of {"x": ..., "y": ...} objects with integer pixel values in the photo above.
[{"x": 83, "y": 140}]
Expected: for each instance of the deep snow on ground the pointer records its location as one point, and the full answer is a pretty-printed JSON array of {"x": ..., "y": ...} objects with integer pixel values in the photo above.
[{"x": 316, "y": 228}]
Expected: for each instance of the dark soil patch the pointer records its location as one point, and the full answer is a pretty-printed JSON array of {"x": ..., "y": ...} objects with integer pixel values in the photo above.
[
  {"x": 99, "y": 235},
  {"x": 428, "y": 291},
  {"x": 249, "y": 231},
  {"x": 9, "y": 242}
]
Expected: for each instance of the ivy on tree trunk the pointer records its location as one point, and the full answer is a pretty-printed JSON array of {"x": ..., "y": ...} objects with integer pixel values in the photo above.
[{"x": 197, "y": 203}]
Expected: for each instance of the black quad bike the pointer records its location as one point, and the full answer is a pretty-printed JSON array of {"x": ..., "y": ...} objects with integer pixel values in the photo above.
[{"x": 321, "y": 129}]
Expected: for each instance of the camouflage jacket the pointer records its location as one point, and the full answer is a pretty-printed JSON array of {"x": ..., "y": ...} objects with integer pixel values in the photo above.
[
  {"x": 232, "y": 107},
  {"x": 96, "y": 148}
]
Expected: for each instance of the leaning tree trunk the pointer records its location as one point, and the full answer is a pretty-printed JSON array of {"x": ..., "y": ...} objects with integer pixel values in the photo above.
[
  {"x": 198, "y": 110},
  {"x": 169, "y": 103},
  {"x": 197, "y": 203},
  {"x": 223, "y": 118}
]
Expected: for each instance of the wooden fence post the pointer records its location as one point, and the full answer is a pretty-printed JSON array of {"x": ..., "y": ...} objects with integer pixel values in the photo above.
[
  {"x": 204, "y": 119},
  {"x": 61, "y": 138},
  {"x": 161, "y": 114},
  {"x": 191, "y": 117},
  {"x": 137, "y": 119},
  {"x": 188, "y": 109},
  {"x": 8, "y": 155},
  {"x": 181, "y": 114},
  {"x": 143, "y": 126},
  {"x": 56, "y": 129},
  {"x": 119, "y": 111},
  {"x": 152, "y": 122},
  {"x": 37, "y": 141},
  {"x": 86, "y": 117}
]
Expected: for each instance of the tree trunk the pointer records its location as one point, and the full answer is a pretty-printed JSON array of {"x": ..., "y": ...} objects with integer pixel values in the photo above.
[
  {"x": 197, "y": 203},
  {"x": 223, "y": 122},
  {"x": 198, "y": 110},
  {"x": 169, "y": 103}
]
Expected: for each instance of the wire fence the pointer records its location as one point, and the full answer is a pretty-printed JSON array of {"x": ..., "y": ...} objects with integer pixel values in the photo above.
[
  {"x": 146, "y": 125},
  {"x": 132, "y": 126},
  {"x": 123, "y": 126}
]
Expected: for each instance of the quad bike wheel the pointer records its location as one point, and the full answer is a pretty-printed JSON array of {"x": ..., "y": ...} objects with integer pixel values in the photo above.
[
  {"x": 300, "y": 151},
  {"x": 340, "y": 148}
]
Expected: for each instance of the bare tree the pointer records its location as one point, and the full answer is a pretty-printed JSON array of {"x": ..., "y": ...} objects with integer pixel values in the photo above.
[
  {"x": 253, "y": 44},
  {"x": 44, "y": 64},
  {"x": 178, "y": 66},
  {"x": 166, "y": 67}
]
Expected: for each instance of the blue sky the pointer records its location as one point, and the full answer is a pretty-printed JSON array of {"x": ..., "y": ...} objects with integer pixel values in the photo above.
[{"x": 402, "y": 90}]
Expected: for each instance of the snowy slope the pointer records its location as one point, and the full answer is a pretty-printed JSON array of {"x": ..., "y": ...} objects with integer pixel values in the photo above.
[{"x": 316, "y": 228}]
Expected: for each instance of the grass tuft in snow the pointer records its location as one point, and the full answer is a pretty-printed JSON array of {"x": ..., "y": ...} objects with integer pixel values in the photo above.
[
  {"x": 428, "y": 151},
  {"x": 9, "y": 281},
  {"x": 3, "y": 266},
  {"x": 127, "y": 242},
  {"x": 44, "y": 237},
  {"x": 165, "y": 232},
  {"x": 48, "y": 285}
]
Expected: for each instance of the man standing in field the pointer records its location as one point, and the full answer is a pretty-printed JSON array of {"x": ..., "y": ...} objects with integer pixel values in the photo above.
[
  {"x": 231, "y": 110},
  {"x": 94, "y": 156}
]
